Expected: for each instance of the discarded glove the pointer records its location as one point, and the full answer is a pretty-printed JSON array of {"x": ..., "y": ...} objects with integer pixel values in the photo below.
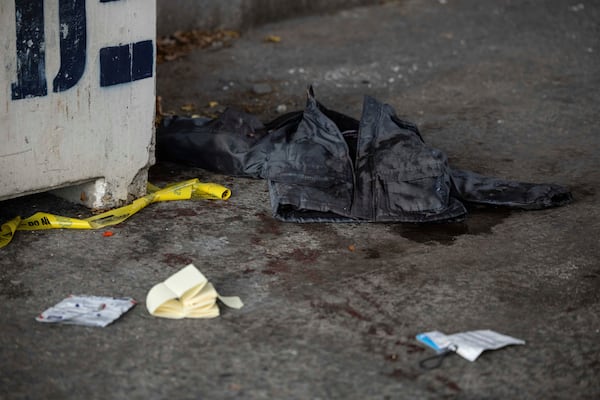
[{"x": 324, "y": 166}]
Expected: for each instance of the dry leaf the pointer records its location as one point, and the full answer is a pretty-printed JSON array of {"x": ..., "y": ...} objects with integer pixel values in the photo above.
[
  {"x": 182, "y": 37},
  {"x": 273, "y": 39},
  {"x": 180, "y": 43}
]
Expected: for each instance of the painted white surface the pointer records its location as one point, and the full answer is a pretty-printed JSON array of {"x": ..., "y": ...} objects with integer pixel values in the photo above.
[{"x": 101, "y": 137}]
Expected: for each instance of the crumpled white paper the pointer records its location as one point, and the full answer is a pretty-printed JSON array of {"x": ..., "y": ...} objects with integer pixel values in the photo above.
[
  {"x": 468, "y": 345},
  {"x": 87, "y": 310}
]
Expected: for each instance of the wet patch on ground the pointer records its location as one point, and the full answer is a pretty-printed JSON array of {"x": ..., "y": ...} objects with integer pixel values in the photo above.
[{"x": 478, "y": 222}]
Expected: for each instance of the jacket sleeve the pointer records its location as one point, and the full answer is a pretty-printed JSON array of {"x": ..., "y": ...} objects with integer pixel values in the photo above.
[
  {"x": 478, "y": 189},
  {"x": 231, "y": 144}
]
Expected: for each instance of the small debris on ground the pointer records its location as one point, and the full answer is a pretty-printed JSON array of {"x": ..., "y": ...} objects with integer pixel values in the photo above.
[
  {"x": 180, "y": 43},
  {"x": 188, "y": 107},
  {"x": 273, "y": 39}
]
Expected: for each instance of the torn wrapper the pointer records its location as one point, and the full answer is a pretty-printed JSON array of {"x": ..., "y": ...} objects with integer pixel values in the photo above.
[{"x": 87, "y": 310}]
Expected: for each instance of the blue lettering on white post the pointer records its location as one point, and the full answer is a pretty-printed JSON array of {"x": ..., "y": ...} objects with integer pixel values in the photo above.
[
  {"x": 126, "y": 63},
  {"x": 73, "y": 44},
  {"x": 118, "y": 64},
  {"x": 31, "y": 58}
]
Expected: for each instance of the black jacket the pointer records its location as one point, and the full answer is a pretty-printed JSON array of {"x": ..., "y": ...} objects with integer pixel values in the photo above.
[{"x": 323, "y": 166}]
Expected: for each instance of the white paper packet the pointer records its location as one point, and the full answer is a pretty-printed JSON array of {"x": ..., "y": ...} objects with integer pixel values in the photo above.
[
  {"x": 468, "y": 345},
  {"x": 87, "y": 310}
]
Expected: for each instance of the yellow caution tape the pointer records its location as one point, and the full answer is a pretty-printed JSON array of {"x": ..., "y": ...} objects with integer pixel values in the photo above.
[
  {"x": 7, "y": 231},
  {"x": 190, "y": 189}
]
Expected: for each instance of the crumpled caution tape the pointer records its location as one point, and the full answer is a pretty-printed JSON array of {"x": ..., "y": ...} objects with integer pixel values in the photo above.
[{"x": 190, "y": 189}]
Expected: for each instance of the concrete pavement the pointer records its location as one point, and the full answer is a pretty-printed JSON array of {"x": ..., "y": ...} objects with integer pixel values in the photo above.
[{"x": 505, "y": 88}]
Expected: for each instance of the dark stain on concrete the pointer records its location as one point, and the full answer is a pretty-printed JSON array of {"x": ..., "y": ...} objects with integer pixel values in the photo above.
[
  {"x": 312, "y": 275},
  {"x": 401, "y": 374},
  {"x": 295, "y": 266},
  {"x": 380, "y": 328},
  {"x": 276, "y": 266},
  {"x": 176, "y": 260},
  {"x": 269, "y": 224},
  {"x": 448, "y": 383},
  {"x": 371, "y": 254},
  {"x": 478, "y": 222},
  {"x": 304, "y": 255},
  {"x": 369, "y": 299},
  {"x": 410, "y": 347},
  {"x": 339, "y": 308}
]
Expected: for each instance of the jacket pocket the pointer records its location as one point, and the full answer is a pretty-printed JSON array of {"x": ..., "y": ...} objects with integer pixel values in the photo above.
[{"x": 419, "y": 183}]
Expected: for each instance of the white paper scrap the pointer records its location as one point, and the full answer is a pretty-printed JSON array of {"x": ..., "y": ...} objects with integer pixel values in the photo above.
[
  {"x": 87, "y": 310},
  {"x": 469, "y": 345}
]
